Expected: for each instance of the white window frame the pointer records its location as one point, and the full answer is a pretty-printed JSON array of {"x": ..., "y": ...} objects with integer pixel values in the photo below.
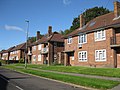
[
  {"x": 82, "y": 39},
  {"x": 39, "y": 57},
  {"x": 39, "y": 47},
  {"x": 69, "y": 40},
  {"x": 81, "y": 56},
  {"x": 97, "y": 55},
  {"x": 102, "y": 36},
  {"x": 34, "y": 57}
]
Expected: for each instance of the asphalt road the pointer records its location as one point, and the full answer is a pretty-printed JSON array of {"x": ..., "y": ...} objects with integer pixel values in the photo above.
[{"x": 11, "y": 80}]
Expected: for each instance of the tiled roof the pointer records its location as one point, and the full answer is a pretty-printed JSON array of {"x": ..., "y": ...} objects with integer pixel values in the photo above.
[
  {"x": 103, "y": 21},
  {"x": 8, "y": 50},
  {"x": 54, "y": 37},
  {"x": 19, "y": 47},
  {"x": 3, "y": 51}
]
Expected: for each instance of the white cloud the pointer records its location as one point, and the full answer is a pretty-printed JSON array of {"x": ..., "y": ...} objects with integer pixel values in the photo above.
[
  {"x": 8, "y": 27},
  {"x": 66, "y": 2}
]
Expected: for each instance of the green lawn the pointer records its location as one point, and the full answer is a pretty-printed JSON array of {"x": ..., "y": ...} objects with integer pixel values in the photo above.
[
  {"x": 110, "y": 72},
  {"x": 83, "y": 81}
]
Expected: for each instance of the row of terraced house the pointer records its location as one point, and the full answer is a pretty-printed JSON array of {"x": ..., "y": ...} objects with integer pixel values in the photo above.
[{"x": 95, "y": 44}]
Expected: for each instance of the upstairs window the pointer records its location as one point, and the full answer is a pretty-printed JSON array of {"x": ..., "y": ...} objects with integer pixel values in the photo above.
[
  {"x": 69, "y": 40},
  {"x": 39, "y": 47},
  {"x": 82, "y": 39},
  {"x": 100, "y": 55},
  {"x": 100, "y": 35}
]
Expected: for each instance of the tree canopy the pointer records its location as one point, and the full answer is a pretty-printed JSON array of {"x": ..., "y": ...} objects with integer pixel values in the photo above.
[{"x": 89, "y": 14}]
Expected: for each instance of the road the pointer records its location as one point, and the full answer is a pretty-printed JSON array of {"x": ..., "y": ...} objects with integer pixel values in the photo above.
[{"x": 11, "y": 80}]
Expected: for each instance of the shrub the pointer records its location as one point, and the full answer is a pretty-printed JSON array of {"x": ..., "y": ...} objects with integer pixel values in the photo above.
[
  {"x": 3, "y": 61},
  {"x": 21, "y": 60}
]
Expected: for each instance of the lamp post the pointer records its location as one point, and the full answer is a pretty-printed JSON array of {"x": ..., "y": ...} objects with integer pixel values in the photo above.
[{"x": 26, "y": 50}]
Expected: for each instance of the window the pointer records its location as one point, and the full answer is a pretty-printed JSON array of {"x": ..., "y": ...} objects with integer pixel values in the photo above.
[
  {"x": 82, "y": 39},
  {"x": 82, "y": 55},
  {"x": 34, "y": 48},
  {"x": 39, "y": 57},
  {"x": 39, "y": 47},
  {"x": 99, "y": 35},
  {"x": 69, "y": 40},
  {"x": 34, "y": 57},
  {"x": 100, "y": 55}
]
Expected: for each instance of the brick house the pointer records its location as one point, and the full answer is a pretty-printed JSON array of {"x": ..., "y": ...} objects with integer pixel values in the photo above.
[
  {"x": 47, "y": 50},
  {"x": 6, "y": 53},
  {"x": 96, "y": 44},
  {"x": 1, "y": 53},
  {"x": 17, "y": 52}
]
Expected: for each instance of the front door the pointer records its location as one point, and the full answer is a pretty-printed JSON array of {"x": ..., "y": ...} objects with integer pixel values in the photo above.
[{"x": 71, "y": 58}]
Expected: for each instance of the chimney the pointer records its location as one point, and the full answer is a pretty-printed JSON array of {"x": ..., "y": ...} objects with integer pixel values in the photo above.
[
  {"x": 38, "y": 35},
  {"x": 49, "y": 30},
  {"x": 82, "y": 21},
  {"x": 116, "y": 9}
]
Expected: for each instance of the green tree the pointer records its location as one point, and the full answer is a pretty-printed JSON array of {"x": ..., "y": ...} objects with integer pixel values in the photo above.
[{"x": 32, "y": 39}]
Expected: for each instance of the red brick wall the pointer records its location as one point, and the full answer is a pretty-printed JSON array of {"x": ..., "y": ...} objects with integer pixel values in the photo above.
[
  {"x": 90, "y": 47},
  {"x": 17, "y": 54},
  {"x": 37, "y": 52}
]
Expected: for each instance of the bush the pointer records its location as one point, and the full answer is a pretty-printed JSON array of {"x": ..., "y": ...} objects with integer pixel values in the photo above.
[
  {"x": 3, "y": 61},
  {"x": 21, "y": 60}
]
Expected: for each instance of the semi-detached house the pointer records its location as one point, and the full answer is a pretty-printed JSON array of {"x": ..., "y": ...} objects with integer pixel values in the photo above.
[
  {"x": 18, "y": 52},
  {"x": 96, "y": 44},
  {"x": 48, "y": 49},
  {"x": 14, "y": 53},
  {"x": 6, "y": 53}
]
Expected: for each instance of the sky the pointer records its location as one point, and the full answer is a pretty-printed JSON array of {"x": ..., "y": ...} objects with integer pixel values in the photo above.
[{"x": 40, "y": 13}]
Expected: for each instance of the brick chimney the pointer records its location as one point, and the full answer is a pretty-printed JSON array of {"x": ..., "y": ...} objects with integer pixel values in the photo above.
[
  {"x": 82, "y": 21},
  {"x": 38, "y": 35},
  {"x": 49, "y": 30},
  {"x": 116, "y": 9}
]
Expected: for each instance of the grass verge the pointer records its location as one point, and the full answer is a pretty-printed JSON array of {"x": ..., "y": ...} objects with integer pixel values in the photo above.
[
  {"x": 83, "y": 81},
  {"x": 80, "y": 70}
]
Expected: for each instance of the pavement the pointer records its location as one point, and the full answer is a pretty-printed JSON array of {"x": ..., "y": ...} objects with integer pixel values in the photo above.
[{"x": 12, "y": 80}]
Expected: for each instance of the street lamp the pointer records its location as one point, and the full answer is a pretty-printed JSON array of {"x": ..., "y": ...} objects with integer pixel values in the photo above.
[{"x": 26, "y": 50}]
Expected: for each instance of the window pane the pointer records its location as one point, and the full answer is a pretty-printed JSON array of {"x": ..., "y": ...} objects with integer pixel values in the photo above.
[
  {"x": 79, "y": 39},
  {"x": 100, "y": 56},
  {"x": 79, "y": 55},
  {"x": 103, "y": 33},
  {"x": 104, "y": 54},
  {"x": 85, "y": 38}
]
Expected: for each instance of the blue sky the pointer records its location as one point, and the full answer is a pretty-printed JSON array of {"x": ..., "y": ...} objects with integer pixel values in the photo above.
[{"x": 41, "y": 13}]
